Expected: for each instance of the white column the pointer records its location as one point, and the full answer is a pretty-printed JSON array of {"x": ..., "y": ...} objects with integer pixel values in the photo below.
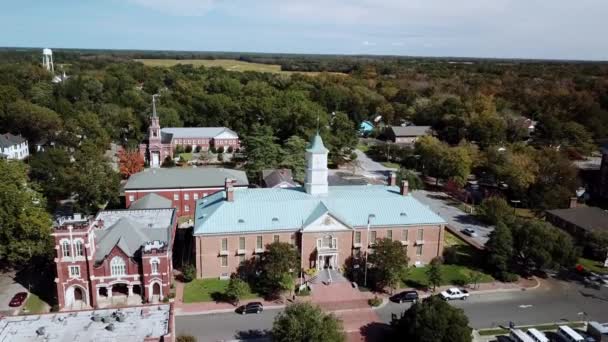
[
  {"x": 130, "y": 287},
  {"x": 109, "y": 291}
]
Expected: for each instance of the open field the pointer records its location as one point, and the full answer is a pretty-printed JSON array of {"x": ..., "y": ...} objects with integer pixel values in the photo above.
[{"x": 228, "y": 64}]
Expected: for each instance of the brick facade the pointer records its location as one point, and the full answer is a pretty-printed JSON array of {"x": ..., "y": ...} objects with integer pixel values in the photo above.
[
  {"x": 82, "y": 283},
  {"x": 209, "y": 254}
]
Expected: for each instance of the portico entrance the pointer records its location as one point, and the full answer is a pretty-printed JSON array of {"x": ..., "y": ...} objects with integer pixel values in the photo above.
[
  {"x": 118, "y": 293},
  {"x": 327, "y": 261}
]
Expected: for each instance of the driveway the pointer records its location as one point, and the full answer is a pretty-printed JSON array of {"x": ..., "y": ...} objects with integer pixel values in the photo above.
[
  {"x": 371, "y": 168},
  {"x": 8, "y": 288},
  {"x": 456, "y": 218}
]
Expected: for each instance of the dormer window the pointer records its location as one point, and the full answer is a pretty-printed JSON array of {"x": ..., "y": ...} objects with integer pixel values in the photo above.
[
  {"x": 241, "y": 221},
  {"x": 275, "y": 219}
]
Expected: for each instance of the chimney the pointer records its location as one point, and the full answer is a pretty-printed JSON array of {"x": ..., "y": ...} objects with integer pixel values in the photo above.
[
  {"x": 392, "y": 179},
  {"x": 573, "y": 202},
  {"x": 404, "y": 188},
  {"x": 228, "y": 187}
]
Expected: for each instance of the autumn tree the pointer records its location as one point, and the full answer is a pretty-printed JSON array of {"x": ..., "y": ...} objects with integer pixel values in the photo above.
[
  {"x": 130, "y": 162},
  {"x": 388, "y": 263}
]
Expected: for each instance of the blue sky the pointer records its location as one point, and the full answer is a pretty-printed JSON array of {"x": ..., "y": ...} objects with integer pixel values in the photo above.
[{"x": 561, "y": 29}]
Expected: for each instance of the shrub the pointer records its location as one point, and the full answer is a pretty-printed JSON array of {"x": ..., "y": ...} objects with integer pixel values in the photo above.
[
  {"x": 376, "y": 301},
  {"x": 188, "y": 273},
  {"x": 450, "y": 255},
  {"x": 220, "y": 157},
  {"x": 166, "y": 299},
  {"x": 303, "y": 293},
  {"x": 230, "y": 149},
  {"x": 168, "y": 162},
  {"x": 508, "y": 277},
  {"x": 185, "y": 338},
  {"x": 197, "y": 149},
  {"x": 178, "y": 149},
  {"x": 213, "y": 150},
  {"x": 188, "y": 148},
  {"x": 220, "y": 149}
]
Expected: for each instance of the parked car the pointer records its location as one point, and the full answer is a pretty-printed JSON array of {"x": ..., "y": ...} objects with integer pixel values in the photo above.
[
  {"x": 454, "y": 293},
  {"x": 405, "y": 296},
  {"x": 253, "y": 307},
  {"x": 470, "y": 232},
  {"x": 18, "y": 299}
]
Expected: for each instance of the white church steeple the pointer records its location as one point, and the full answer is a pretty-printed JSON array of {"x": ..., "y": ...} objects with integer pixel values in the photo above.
[{"x": 316, "y": 167}]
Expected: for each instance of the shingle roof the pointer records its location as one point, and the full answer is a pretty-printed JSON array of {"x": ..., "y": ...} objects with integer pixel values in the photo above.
[
  {"x": 197, "y": 132},
  {"x": 587, "y": 218},
  {"x": 410, "y": 131},
  {"x": 273, "y": 178},
  {"x": 151, "y": 201},
  {"x": 8, "y": 140},
  {"x": 165, "y": 178},
  {"x": 130, "y": 234},
  {"x": 273, "y": 209}
]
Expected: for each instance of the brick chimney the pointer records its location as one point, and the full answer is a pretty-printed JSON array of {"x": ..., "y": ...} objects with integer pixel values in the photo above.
[
  {"x": 573, "y": 202},
  {"x": 404, "y": 188},
  {"x": 229, "y": 188},
  {"x": 392, "y": 179}
]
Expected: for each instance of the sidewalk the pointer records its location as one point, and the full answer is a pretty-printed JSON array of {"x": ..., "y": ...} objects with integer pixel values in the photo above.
[{"x": 339, "y": 297}]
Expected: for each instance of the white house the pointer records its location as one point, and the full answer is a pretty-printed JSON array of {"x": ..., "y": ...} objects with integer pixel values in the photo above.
[{"x": 13, "y": 147}]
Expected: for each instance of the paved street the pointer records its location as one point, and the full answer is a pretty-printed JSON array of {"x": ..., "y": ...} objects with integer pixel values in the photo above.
[
  {"x": 371, "y": 168},
  {"x": 438, "y": 202},
  {"x": 555, "y": 301}
]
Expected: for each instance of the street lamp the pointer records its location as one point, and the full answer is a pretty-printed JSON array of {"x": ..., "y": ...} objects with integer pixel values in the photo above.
[{"x": 369, "y": 218}]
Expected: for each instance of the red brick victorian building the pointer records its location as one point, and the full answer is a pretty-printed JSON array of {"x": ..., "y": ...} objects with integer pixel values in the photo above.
[{"x": 119, "y": 257}]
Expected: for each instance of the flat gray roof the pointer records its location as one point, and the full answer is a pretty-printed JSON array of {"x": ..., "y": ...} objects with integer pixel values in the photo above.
[
  {"x": 410, "y": 131},
  {"x": 140, "y": 322},
  {"x": 198, "y": 177},
  {"x": 587, "y": 218}
]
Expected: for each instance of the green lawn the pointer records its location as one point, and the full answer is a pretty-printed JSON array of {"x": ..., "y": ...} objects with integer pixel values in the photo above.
[
  {"x": 34, "y": 305},
  {"x": 185, "y": 156},
  {"x": 391, "y": 165},
  {"x": 452, "y": 240},
  {"x": 363, "y": 147},
  {"x": 593, "y": 266},
  {"x": 451, "y": 274},
  {"x": 207, "y": 290}
]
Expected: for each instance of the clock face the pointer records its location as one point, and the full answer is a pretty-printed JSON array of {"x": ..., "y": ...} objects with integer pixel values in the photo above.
[{"x": 328, "y": 221}]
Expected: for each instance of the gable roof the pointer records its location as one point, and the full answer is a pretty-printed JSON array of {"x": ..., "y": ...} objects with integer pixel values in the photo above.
[
  {"x": 197, "y": 132},
  {"x": 152, "y": 201},
  {"x": 164, "y": 178},
  {"x": 410, "y": 131},
  {"x": 8, "y": 140},
  {"x": 587, "y": 218},
  {"x": 275, "y": 209},
  {"x": 272, "y": 178},
  {"x": 128, "y": 235}
]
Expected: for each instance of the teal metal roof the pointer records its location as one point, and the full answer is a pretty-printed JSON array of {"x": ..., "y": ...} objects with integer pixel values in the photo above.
[
  {"x": 275, "y": 209},
  {"x": 316, "y": 145}
]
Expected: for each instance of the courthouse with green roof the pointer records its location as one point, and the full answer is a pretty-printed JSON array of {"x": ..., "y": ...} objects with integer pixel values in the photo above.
[{"x": 327, "y": 224}]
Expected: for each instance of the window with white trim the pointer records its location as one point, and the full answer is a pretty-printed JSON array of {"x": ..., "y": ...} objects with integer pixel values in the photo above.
[
  {"x": 186, "y": 197},
  {"x": 389, "y": 234},
  {"x": 186, "y": 208},
  {"x": 118, "y": 266},
  {"x": 241, "y": 242},
  {"x": 175, "y": 197},
  {"x": 419, "y": 250},
  {"x": 78, "y": 248},
  {"x": 404, "y": 234},
  {"x": 65, "y": 248},
  {"x": 224, "y": 244},
  {"x": 357, "y": 237},
  {"x": 374, "y": 236},
  {"x": 195, "y": 196},
  {"x": 224, "y": 259},
  {"x": 258, "y": 242},
  {"x": 155, "y": 265},
  {"x": 74, "y": 271},
  {"x": 276, "y": 238},
  {"x": 131, "y": 198},
  {"x": 420, "y": 236}
]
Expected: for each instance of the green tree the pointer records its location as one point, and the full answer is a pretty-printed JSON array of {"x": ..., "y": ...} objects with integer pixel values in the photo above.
[
  {"x": 304, "y": 322},
  {"x": 432, "y": 320},
  {"x": 342, "y": 139},
  {"x": 280, "y": 260},
  {"x": 433, "y": 273},
  {"x": 262, "y": 151},
  {"x": 499, "y": 249},
  {"x": 413, "y": 180},
  {"x": 389, "y": 263},
  {"x": 236, "y": 289},
  {"x": 495, "y": 209},
  {"x": 556, "y": 183},
  {"x": 34, "y": 122},
  {"x": 294, "y": 157},
  {"x": 54, "y": 171},
  {"x": 26, "y": 226}
]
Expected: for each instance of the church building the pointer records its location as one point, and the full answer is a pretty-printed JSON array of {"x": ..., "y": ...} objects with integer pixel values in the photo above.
[
  {"x": 327, "y": 224},
  {"x": 163, "y": 141}
]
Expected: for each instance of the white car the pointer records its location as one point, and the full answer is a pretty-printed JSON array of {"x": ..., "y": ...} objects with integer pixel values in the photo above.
[{"x": 454, "y": 293}]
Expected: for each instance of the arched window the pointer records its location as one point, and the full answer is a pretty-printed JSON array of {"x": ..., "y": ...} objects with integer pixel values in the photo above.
[
  {"x": 65, "y": 248},
  {"x": 118, "y": 266},
  {"x": 154, "y": 264},
  {"x": 78, "y": 250}
]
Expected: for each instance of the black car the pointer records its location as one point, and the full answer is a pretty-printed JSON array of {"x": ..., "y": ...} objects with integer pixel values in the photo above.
[
  {"x": 405, "y": 296},
  {"x": 253, "y": 307}
]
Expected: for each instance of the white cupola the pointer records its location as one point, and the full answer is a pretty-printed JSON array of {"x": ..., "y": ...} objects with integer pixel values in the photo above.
[{"x": 316, "y": 167}]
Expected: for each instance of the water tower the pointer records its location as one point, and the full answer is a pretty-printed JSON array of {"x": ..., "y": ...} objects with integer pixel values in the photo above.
[{"x": 47, "y": 60}]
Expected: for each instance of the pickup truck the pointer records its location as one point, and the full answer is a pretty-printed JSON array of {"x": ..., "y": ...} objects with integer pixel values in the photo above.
[{"x": 454, "y": 293}]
